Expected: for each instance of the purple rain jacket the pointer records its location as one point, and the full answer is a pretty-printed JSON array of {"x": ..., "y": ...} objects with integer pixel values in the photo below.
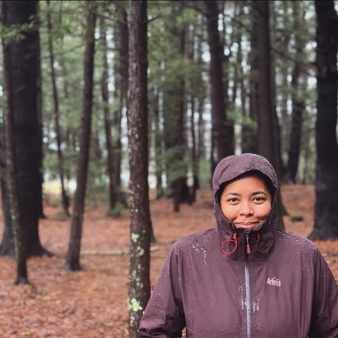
[{"x": 213, "y": 287}]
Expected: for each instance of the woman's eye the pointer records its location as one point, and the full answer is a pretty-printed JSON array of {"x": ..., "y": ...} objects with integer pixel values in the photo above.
[
  {"x": 232, "y": 200},
  {"x": 259, "y": 199}
]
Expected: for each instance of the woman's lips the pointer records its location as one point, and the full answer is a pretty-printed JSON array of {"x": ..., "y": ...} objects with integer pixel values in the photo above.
[{"x": 246, "y": 225}]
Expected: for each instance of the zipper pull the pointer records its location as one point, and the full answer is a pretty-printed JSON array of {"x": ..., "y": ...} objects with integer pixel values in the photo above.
[{"x": 248, "y": 250}]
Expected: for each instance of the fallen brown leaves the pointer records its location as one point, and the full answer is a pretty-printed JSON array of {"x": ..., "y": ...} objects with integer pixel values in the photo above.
[{"x": 93, "y": 302}]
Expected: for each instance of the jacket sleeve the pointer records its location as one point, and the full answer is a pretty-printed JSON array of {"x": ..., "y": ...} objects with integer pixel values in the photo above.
[
  {"x": 164, "y": 316},
  {"x": 324, "y": 321}
]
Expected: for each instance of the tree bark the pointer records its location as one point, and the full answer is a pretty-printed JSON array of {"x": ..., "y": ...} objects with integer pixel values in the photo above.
[
  {"x": 64, "y": 196},
  {"x": 193, "y": 99},
  {"x": 266, "y": 140},
  {"x": 140, "y": 225},
  {"x": 173, "y": 119},
  {"x": 7, "y": 243},
  {"x": 121, "y": 94},
  {"x": 326, "y": 211},
  {"x": 113, "y": 198},
  {"x": 10, "y": 15},
  {"x": 297, "y": 104},
  {"x": 249, "y": 128},
  {"x": 74, "y": 246},
  {"x": 267, "y": 145},
  {"x": 24, "y": 63},
  {"x": 222, "y": 129},
  {"x": 285, "y": 92},
  {"x": 158, "y": 145}
]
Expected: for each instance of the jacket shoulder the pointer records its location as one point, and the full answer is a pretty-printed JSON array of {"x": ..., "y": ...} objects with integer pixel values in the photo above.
[
  {"x": 202, "y": 238},
  {"x": 296, "y": 243}
]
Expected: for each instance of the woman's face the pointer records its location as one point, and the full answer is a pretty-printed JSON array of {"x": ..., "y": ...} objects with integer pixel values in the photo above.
[{"x": 246, "y": 202}]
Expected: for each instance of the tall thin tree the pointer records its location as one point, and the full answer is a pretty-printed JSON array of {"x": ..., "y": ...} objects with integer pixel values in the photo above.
[
  {"x": 222, "y": 128},
  {"x": 326, "y": 211},
  {"x": 74, "y": 246},
  {"x": 56, "y": 113},
  {"x": 267, "y": 145},
  {"x": 140, "y": 225},
  {"x": 107, "y": 119},
  {"x": 297, "y": 102}
]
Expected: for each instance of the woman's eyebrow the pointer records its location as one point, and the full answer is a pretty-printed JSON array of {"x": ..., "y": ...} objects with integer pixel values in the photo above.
[
  {"x": 233, "y": 193},
  {"x": 258, "y": 192}
]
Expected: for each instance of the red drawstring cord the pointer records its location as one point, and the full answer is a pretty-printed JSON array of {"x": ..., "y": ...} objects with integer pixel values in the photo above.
[
  {"x": 258, "y": 237},
  {"x": 234, "y": 239}
]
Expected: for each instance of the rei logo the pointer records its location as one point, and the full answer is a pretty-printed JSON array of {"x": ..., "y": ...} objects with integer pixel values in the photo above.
[{"x": 274, "y": 281}]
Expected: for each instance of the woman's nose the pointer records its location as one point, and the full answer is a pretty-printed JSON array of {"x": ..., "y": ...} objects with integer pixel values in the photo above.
[{"x": 245, "y": 210}]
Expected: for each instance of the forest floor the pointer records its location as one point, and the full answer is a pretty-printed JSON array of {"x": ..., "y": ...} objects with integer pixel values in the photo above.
[{"x": 93, "y": 302}]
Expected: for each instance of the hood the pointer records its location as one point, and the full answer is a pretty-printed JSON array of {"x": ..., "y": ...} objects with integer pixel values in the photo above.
[{"x": 235, "y": 242}]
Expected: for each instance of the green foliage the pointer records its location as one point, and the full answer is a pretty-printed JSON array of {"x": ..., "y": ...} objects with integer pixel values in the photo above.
[
  {"x": 116, "y": 212},
  {"x": 296, "y": 218},
  {"x": 15, "y": 33},
  {"x": 204, "y": 173},
  {"x": 170, "y": 63}
]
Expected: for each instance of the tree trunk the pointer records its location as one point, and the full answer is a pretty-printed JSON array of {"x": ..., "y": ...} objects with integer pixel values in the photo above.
[
  {"x": 64, "y": 196},
  {"x": 279, "y": 164},
  {"x": 249, "y": 128},
  {"x": 222, "y": 129},
  {"x": 39, "y": 150},
  {"x": 158, "y": 145},
  {"x": 24, "y": 63},
  {"x": 173, "y": 121},
  {"x": 285, "y": 92},
  {"x": 266, "y": 140},
  {"x": 297, "y": 105},
  {"x": 107, "y": 125},
  {"x": 7, "y": 243},
  {"x": 194, "y": 159},
  {"x": 117, "y": 127},
  {"x": 326, "y": 211},
  {"x": 267, "y": 145},
  {"x": 194, "y": 89},
  {"x": 140, "y": 225},
  {"x": 74, "y": 246},
  {"x": 11, "y": 15},
  {"x": 121, "y": 94}
]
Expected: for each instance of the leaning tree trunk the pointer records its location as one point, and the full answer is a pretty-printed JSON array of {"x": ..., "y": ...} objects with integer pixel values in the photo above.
[
  {"x": 222, "y": 129},
  {"x": 74, "y": 246},
  {"x": 326, "y": 211},
  {"x": 24, "y": 63},
  {"x": 64, "y": 196},
  {"x": 140, "y": 225},
  {"x": 267, "y": 146}
]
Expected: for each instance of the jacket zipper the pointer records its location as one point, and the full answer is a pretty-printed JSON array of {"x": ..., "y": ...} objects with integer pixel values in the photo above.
[{"x": 247, "y": 291}]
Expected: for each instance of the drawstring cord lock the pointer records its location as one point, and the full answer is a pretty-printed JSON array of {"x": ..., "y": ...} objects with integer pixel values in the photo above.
[
  {"x": 234, "y": 240},
  {"x": 248, "y": 250}
]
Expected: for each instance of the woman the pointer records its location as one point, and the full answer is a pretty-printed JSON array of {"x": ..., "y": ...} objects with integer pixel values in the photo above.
[{"x": 244, "y": 278}]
